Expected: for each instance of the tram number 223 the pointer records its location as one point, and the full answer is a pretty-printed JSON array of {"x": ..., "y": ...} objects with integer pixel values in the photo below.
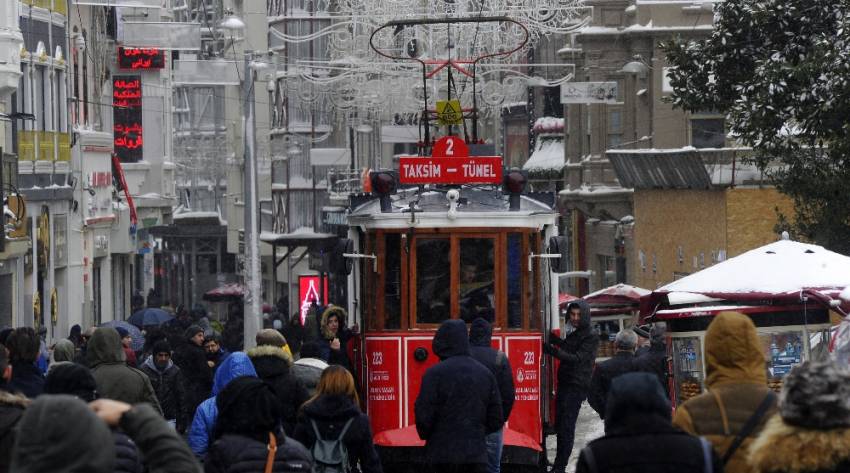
[
  {"x": 377, "y": 358},
  {"x": 528, "y": 358}
]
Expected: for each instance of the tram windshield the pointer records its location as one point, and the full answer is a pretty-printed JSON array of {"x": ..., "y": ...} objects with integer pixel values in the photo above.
[{"x": 424, "y": 278}]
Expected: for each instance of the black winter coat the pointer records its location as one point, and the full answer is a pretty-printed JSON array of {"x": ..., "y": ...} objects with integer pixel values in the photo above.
[
  {"x": 654, "y": 360},
  {"x": 603, "y": 374},
  {"x": 239, "y": 454},
  {"x": 480, "y": 348},
  {"x": 458, "y": 403},
  {"x": 27, "y": 379},
  {"x": 330, "y": 413},
  {"x": 11, "y": 409},
  {"x": 639, "y": 436},
  {"x": 170, "y": 389},
  {"x": 273, "y": 366},
  {"x": 577, "y": 352},
  {"x": 197, "y": 374},
  {"x": 127, "y": 459}
]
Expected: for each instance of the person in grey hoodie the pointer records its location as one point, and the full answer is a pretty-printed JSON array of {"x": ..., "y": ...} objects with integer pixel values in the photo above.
[{"x": 116, "y": 380}]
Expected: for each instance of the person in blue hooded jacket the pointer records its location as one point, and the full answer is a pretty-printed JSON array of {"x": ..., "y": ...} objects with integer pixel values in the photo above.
[{"x": 203, "y": 425}]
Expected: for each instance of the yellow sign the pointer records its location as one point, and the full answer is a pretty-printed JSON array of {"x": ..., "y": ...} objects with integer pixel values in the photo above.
[{"x": 449, "y": 112}]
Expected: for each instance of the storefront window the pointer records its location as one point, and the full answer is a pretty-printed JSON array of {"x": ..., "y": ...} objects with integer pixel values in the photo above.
[
  {"x": 607, "y": 331},
  {"x": 783, "y": 350},
  {"x": 476, "y": 291},
  {"x": 433, "y": 280},
  {"x": 687, "y": 364}
]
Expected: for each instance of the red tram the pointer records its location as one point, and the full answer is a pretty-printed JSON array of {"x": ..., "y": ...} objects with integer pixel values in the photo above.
[{"x": 428, "y": 253}]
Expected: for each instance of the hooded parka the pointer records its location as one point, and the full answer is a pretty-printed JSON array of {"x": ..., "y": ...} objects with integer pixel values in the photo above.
[
  {"x": 203, "y": 425},
  {"x": 480, "y": 348},
  {"x": 273, "y": 366},
  {"x": 577, "y": 352},
  {"x": 458, "y": 403},
  {"x": 639, "y": 437},
  {"x": 11, "y": 410},
  {"x": 115, "y": 380},
  {"x": 736, "y": 379}
]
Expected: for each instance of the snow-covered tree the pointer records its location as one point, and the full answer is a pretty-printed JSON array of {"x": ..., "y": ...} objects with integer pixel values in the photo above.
[{"x": 780, "y": 72}]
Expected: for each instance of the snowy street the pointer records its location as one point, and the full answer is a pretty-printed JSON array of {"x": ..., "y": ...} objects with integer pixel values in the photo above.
[{"x": 588, "y": 427}]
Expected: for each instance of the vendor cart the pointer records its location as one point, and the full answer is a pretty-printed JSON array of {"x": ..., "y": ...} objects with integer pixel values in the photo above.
[
  {"x": 613, "y": 309},
  {"x": 790, "y": 291}
]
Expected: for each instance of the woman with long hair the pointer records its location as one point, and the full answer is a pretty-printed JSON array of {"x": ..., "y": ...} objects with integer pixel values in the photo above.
[{"x": 333, "y": 414}]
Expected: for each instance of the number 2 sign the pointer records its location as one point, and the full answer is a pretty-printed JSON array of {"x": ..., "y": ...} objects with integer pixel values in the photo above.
[{"x": 450, "y": 147}]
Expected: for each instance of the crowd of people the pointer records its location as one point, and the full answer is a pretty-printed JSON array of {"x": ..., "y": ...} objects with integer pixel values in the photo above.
[{"x": 189, "y": 402}]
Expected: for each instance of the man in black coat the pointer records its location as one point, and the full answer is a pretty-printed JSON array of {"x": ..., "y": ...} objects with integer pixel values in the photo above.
[
  {"x": 458, "y": 405},
  {"x": 168, "y": 384},
  {"x": 480, "y": 336},
  {"x": 24, "y": 347},
  {"x": 191, "y": 357},
  {"x": 653, "y": 359},
  {"x": 11, "y": 409},
  {"x": 576, "y": 353},
  {"x": 639, "y": 436},
  {"x": 621, "y": 363}
]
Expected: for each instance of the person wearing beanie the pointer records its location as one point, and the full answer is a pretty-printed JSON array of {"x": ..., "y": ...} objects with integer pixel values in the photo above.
[
  {"x": 273, "y": 366},
  {"x": 249, "y": 428},
  {"x": 308, "y": 369},
  {"x": 116, "y": 380},
  {"x": 191, "y": 358},
  {"x": 126, "y": 342},
  {"x": 273, "y": 337},
  {"x": 737, "y": 395},
  {"x": 168, "y": 384},
  {"x": 639, "y": 437},
  {"x": 200, "y": 434},
  {"x": 61, "y": 434},
  {"x": 811, "y": 434}
]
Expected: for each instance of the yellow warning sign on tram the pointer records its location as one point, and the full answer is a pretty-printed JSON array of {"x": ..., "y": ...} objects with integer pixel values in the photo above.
[{"x": 449, "y": 112}]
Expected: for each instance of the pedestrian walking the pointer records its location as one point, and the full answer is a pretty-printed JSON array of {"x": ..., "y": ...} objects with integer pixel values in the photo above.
[
  {"x": 273, "y": 366},
  {"x": 272, "y": 337},
  {"x": 248, "y": 434},
  {"x": 576, "y": 352},
  {"x": 116, "y": 380},
  {"x": 639, "y": 437},
  {"x": 458, "y": 404},
  {"x": 203, "y": 424},
  {"x": 11, "y": 410},
  {"x": 481, "y": 349},
  {"x": 332, "y": 422},
  {"x": 82, "y": 351},
  {"x": 76, "y": 380},
  {"x": 24, "y": 347},
  {"x": 126, "y": 340},
  {"x": 63, "y": 352},
  {"x": 308, "y": 369},
  {"x": 738, "y": 402},
  {"x": 168, "y": 384},
  {"x": 215, "y": 352},
  {"x": 653, "y": 359},
  {"x": 621, "y": 363},
  {"x": 191, "y": 358},
  {"x": 811, "y": 434},
  {"x": 60, "y": 433}
]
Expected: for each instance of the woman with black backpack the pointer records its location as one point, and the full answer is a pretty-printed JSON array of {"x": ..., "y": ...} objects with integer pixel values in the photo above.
[{"x": 332, "y": 427}]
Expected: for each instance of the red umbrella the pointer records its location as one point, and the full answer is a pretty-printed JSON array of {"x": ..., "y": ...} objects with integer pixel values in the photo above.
[
  {"x": 227, "y": 292},
  {"x": 564, "y": 298}
]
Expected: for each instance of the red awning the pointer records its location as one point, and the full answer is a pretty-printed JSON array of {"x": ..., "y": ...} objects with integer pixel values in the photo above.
[{"x": 227, "y": 292}]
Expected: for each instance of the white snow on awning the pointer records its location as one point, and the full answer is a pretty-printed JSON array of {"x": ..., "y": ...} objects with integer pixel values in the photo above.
[
  {"x": 548, "y": 155},
  {"x": 778, "y": 268}
]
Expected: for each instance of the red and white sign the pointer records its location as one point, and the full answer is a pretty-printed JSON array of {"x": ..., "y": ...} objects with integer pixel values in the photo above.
[
  {"x": 308, "y": 292},
  {"x": 450, "y": 164}
]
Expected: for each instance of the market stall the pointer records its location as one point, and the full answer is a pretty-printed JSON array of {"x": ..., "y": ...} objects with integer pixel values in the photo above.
[
  {"x": 613, "y": 309},
  {"x": 789, "y": 289}
]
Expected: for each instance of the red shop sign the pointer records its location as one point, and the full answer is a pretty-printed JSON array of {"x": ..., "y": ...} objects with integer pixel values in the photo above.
[
  {"x": 308, "y": 292},
  {"x": 450, "y": 164}
]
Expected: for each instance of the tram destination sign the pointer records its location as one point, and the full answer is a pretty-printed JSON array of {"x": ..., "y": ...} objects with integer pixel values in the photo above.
[{"x": 450, "y": 164}]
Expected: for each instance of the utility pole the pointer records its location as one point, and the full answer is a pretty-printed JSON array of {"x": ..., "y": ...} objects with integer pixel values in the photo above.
[{"x": 253, "y": 276}]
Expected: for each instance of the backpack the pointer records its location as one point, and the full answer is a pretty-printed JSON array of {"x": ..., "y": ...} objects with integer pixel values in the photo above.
[{"x": 330, "y": 456}]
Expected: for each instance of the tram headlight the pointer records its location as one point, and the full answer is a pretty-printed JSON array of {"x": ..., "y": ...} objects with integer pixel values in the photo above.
[
  {"x": 384, "y": 184},
  {"x": 513, "y": 184}
]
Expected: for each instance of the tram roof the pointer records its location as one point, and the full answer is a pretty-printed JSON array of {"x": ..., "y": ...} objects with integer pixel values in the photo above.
[{"x": 478, "y": 207}]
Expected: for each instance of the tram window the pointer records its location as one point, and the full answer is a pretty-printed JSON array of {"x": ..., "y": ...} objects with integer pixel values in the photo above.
[
  {"x": 477, "y": 294},
  {"x": 392, "y": 282},
  {"x": 514, "y": 275},
  {"x": 433, "y": 280}
]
